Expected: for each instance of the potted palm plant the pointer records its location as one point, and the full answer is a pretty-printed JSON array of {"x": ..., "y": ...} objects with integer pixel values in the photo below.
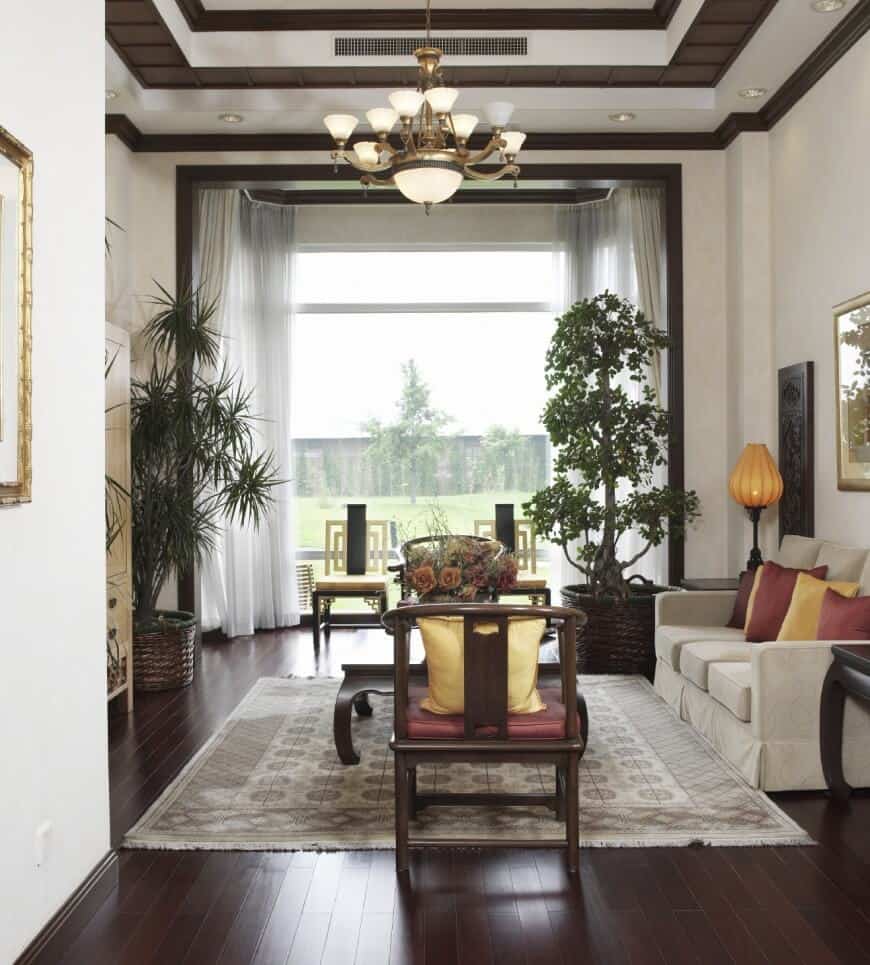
[
  {"x": 195, "y": 466},
  {"x": 609, "y": 445}
]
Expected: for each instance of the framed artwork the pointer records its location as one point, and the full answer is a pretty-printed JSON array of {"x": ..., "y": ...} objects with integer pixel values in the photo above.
[
  {"x": 852, "y": 381},
  {"x": 16, "y": 256},
  {"x": 796, "y": 451}
]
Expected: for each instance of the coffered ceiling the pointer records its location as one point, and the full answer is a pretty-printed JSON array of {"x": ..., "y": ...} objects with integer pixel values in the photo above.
[{"x": 677, "y": 65}]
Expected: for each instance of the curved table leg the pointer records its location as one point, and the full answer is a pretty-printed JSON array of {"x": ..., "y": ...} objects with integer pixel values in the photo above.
[
  {"x": 341, "y": 727},
  {"x": 831, "y": 733},
  {"x": 361, "y": 705}
]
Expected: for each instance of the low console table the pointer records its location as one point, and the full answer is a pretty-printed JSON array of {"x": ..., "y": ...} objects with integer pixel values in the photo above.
[{"x": 848, "y": 674}]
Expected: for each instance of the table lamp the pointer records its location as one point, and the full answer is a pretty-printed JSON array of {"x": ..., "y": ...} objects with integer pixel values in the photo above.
[{"x": 755, "y": 484}]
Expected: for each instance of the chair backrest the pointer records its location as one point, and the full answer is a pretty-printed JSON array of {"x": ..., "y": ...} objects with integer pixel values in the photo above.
[
  {"x": 525, "y": 550},
  {"x": 486, "y": 660},
  {"x": 377, "y": 546}
]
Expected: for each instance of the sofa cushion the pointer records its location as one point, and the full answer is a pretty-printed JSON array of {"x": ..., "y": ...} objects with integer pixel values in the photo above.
[
  {"x": 843, "y": 562},
  {"x": 802, "y": 619},
  {"x": 844, "y": 619},
  {"x": 799, "y": 552},
  {"x": 731, "y": 685},
  {"x": 670, "y": 639},
  {"x": 771, "y": 599},
  {"x": 741, "y": 602},
  {"x": 696, "y": 658}
]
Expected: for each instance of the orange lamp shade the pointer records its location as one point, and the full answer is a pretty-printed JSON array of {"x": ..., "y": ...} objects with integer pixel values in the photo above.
[{"x": 755, "y": 481}]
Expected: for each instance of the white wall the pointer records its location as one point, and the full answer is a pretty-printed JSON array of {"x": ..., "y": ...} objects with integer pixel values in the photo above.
[
  {"x": 52, "y": 565},
  {"x": 704, "y": 237},
  {"x": 821, "y": 254}
]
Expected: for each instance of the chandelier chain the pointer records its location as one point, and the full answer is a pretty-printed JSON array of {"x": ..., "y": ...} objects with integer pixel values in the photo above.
[{"x": 428, "y": 22}]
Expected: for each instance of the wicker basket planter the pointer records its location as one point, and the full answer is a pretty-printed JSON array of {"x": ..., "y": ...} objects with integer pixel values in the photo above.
[
  {"x": 165, "y": 653},
  {"x": 618, "y": 634}
]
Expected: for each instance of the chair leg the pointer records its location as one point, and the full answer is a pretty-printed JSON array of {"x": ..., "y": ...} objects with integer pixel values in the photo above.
[
  {"x": 572, "y": 818},
  {"x": 402, "y": 805},
  {"x": 412, "y": 792},
  {"x": 560, "y": 793},
  {"x": 315, "y": 619}
]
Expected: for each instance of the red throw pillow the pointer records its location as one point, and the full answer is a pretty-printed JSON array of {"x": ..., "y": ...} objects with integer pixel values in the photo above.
[
  {"x": 772, "y": 599},
  {"x": 744, "y": 589},
  {"x": 844, "y": 619}
]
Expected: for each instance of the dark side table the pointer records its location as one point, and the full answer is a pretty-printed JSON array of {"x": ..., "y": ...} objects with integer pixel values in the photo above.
[{"x": 848, "y": 674}]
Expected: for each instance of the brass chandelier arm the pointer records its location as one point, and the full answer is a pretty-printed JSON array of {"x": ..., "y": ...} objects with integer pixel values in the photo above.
[
  {"x": 494, "y": 175},
  {"x": 367, "y": 181},
  {"x": 496, "y": 144},
  {"x": 345, "y": 156}
]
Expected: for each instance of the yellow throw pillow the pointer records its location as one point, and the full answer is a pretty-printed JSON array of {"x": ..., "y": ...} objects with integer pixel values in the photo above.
[
  {"x": 802, "y": 619},
  {"x": 752, "y": 593},
  {"x": 443, "y": 641}
]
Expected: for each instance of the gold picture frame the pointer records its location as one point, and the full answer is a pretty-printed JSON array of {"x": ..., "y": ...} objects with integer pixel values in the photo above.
[
  {"x": 852, "y": 388},
  {"x": 16, "y": 383}
]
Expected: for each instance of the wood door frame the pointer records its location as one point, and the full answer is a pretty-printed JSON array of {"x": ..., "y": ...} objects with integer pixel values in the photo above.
[{"x": 667, "y": 176}]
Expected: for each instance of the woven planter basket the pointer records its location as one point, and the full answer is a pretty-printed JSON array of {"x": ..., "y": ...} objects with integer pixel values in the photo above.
[
  {"x": 165, "y": 655},
  {"x": 618, "y": 634}
]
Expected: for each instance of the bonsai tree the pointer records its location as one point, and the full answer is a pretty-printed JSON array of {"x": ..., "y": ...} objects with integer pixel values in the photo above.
[
  {"x": 605, "y": 439},
  {"x": 195, "y": 463}
]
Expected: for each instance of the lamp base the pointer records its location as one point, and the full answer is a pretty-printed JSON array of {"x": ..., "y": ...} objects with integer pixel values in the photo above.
[{"x": 755, "y": 560}]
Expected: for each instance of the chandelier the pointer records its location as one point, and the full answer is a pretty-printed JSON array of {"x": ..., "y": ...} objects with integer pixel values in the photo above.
[{"x": 434, "y": 158}]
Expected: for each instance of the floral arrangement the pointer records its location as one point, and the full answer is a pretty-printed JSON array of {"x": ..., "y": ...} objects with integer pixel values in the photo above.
[{"x": 459, "y": 568}]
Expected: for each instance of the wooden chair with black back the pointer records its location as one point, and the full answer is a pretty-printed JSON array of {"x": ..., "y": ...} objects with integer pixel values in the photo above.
[{"x": 486, "y": 733}]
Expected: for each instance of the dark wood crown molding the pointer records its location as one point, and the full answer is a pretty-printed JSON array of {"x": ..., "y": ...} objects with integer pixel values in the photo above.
[
  {"x": 456, "y": 18},
  {"x": 721, "y": 29},
  {"x": 844, "y": 36}
]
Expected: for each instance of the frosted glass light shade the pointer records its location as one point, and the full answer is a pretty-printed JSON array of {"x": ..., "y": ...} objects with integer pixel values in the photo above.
[
  {"x": 499, "y": 113},
  {"x": 463, "y": 125},
  {"x": 441, "y": 99},
  {"x": 382, "y": 119},
  {"x": 428, "y": 185},
  {"x": 513, "y": 142},
  {"x": 368, "y": 152},
  {"x": 755, "y": 481},
  {"x": 340, "y": 126},
  {"x": 406, "y": 102}
]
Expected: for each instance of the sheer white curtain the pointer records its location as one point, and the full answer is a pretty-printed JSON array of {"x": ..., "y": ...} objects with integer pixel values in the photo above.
[
  {"x": 616, "y": 244},
  {"x": 246, "y": 258}
]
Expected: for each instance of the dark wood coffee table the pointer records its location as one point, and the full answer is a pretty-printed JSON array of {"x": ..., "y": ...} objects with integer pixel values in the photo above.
[{"x": 848, "y": 674}]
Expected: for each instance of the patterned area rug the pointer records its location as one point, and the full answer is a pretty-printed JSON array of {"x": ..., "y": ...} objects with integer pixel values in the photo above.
[{"x": 270, "y": 780}]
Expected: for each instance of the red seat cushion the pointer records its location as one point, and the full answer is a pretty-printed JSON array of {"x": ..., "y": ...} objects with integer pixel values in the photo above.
[{"x": 546, "y": 724}]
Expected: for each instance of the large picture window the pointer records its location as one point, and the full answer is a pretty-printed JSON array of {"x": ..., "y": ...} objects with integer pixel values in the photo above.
[{"x": 419, "y": 386}]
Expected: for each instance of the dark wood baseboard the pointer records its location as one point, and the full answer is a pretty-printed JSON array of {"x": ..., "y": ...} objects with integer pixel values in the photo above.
[{"x": 62, "y": 929}]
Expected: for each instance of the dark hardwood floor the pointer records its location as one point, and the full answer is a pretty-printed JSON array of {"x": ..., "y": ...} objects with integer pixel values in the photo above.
[{"x": 634, "y": 905}]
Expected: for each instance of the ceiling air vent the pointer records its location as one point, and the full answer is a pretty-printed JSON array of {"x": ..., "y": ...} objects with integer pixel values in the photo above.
[{"x": 452, "y": 46}]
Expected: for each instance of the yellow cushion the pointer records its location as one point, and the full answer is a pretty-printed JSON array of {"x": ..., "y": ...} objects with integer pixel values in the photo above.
[
  {"x": 443, "y": 641},
  {"x": 752, "y": 593},
  {"x": 802, "y": 619}
]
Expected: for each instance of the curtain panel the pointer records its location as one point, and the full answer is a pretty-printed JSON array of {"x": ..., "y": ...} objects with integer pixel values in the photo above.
[
  {"x": 246, "y": 261},
  {"x": 616, "y": 244}
]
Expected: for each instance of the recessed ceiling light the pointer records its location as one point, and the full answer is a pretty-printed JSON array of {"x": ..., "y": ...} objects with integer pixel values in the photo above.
[
  {"x": 750, "y": 93},
  {"x": 827, "y": 6},
  {"x": 111, "y": 94},
  {"x": 230, "y": 117},
  {"x": 622, "y": 117}
]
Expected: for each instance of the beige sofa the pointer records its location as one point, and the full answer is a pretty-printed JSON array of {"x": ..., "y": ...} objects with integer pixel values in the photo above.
[{"x": 758, "y": 703}]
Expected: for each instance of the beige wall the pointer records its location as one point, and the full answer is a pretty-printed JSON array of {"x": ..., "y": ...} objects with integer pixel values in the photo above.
[
  {"x": 151, "y": 188},
  {"x": 52, "y": 550},
  {"x": 821, "y": 254}
]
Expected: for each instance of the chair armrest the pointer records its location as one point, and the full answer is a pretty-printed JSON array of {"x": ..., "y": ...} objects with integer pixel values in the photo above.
[
  {"x": 707, "y": 608},
  {"x": 787, "y": 680}
]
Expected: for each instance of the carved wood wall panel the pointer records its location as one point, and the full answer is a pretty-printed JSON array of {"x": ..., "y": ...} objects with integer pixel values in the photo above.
[{"x": 796, "y": 455}]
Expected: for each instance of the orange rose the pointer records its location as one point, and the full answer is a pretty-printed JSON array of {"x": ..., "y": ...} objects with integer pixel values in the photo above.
[
  {"x": 423, "y": 580},
  {"x": 450, "y": 578}
]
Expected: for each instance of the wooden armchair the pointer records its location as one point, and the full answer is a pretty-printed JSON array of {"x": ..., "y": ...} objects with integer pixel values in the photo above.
[{"x": 486, "y": 732}]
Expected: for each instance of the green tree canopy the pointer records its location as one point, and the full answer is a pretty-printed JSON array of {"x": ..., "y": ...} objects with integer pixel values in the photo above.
[{"x": 413, "y": 441}]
